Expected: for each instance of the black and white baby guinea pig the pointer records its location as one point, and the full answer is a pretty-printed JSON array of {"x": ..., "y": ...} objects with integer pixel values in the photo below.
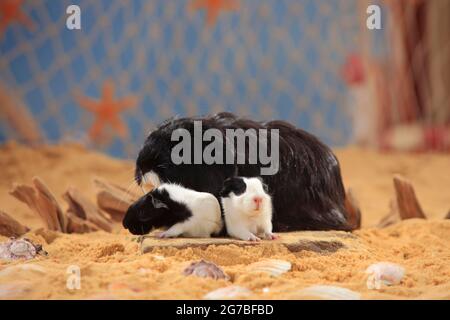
[
  {"x": 247, "y": 209},
  {"x": 181, "y": 211}
]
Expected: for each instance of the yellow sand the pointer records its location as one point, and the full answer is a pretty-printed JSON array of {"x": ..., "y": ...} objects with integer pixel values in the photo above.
[{"x": 112, "y": 267}]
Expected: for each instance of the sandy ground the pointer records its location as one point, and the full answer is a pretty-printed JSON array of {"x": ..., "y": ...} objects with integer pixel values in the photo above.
[{"x": 112, "y": 266}]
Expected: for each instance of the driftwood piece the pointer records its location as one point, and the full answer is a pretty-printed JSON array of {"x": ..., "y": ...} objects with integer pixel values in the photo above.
[
  {"x": 81, "y": 217},
  {"x": 447, "y": 216},
  {"x": 41, "y": 200},
  {"x": 81, "y": 207},
  {"x": 353, "y": 210},
  {"x": 392, "y": 217},
  {"x": 78, "y": 225},
  {"x": 10, "y": 227},
  {"x": 113, "y": 199},
  {"x": 408, "y": 205},
  {"x": 405, "y": 206}
]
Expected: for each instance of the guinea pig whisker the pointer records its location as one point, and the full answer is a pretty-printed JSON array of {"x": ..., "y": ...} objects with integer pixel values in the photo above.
[
  {"x": 131, "y": 170},
  {"x": 127, "y": 190},
  {"x": 132, "y": 184},
  {"x": 168, "y": 181}
]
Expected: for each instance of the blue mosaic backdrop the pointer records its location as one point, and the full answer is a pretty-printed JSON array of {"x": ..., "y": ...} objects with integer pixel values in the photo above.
[{"x": 263, "y": 59}]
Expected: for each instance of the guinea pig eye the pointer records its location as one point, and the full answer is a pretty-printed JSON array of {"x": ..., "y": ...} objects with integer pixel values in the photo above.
[
  {"x": 158, "y": 204},
  {"x": 143, "y": 217},
  {"x": 265, "y": 187}
]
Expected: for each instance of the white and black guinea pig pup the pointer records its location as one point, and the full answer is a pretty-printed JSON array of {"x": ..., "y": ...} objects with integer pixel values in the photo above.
[
  {"x": 181, "y": 211},
  {"x": 247, "y": 209}
]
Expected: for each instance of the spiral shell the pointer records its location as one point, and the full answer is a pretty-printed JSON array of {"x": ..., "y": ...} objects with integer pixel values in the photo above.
[
  {"x": 329, "y": 293},
  {"x": 231, "y": 292},
  {"x": 386, "y": 273},
  {"x": 205, "y": 269},
  {"x": 273, "y": 267}
]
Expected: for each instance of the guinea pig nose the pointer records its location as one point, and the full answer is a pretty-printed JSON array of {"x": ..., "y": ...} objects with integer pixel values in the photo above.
[{"x": 257, "y": 201}]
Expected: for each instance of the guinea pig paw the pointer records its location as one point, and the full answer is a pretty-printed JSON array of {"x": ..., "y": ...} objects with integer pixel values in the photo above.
[
  {"x": 140, "y": 239},
  {"x": 163, "y": 235},
  {"x": 271, "y": 236},
  {"x": 253, "y": 238}
]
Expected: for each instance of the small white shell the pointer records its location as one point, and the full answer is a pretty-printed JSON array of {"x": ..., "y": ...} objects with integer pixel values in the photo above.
[
  {"x": 18, "y": 249},
  {"x": 231, "y": 292},
  {"x": 329, "y": 293},
  {"x": 22, "y": 248},
  {"x": 205, "y": 269},
  {"x": 386, "y": 273},
  {"x": 273, "y": 267}
]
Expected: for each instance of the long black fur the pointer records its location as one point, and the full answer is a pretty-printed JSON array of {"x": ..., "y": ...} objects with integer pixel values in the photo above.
[{"x": 307, "y": 191}]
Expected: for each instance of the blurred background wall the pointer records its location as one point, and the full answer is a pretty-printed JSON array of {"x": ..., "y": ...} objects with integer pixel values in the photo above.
[{"x": 136, "y": 63}]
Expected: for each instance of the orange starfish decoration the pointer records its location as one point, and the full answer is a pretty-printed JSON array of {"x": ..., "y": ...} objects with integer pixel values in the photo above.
[
  {"x": 11, "y": 11},
  {"x": 214, "y": 7},
  {"x": 106, "y": 110}
]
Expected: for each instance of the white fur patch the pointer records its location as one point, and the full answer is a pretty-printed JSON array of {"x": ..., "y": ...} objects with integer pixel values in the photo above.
[
  {"x": 242, "y": 218},
  {"x": 206, "y": 216},
  {"x": 150, "y": 180}
]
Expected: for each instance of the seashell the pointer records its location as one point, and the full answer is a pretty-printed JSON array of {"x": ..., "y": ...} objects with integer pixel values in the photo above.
[
  {"x": 205, "y": 269},
  {"x": 19, "y": 249},
  {"x": 231, "y": 292},
  {"x": 22, "y": 248},
  {"x": 329, "y": 293},
  {"x": 273, "y": 267},
  {"x": 386, "y": 273}
]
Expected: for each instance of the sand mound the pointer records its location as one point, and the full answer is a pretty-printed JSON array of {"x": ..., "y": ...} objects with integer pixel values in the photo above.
[{"x": 112, "y": 266}]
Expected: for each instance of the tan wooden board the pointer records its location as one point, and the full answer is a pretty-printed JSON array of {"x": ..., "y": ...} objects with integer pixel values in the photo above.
[{"x": 317, "y": 241}]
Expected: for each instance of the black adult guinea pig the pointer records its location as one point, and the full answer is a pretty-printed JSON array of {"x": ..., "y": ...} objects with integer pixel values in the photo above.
[{"x": 307, "y": 190}]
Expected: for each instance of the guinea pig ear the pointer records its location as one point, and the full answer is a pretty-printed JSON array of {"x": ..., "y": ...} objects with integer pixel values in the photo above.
[
  {"x": 159, "y": 204},
  {"x": 227, "y": 187},
  {"x": 235, "y": 185}
]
